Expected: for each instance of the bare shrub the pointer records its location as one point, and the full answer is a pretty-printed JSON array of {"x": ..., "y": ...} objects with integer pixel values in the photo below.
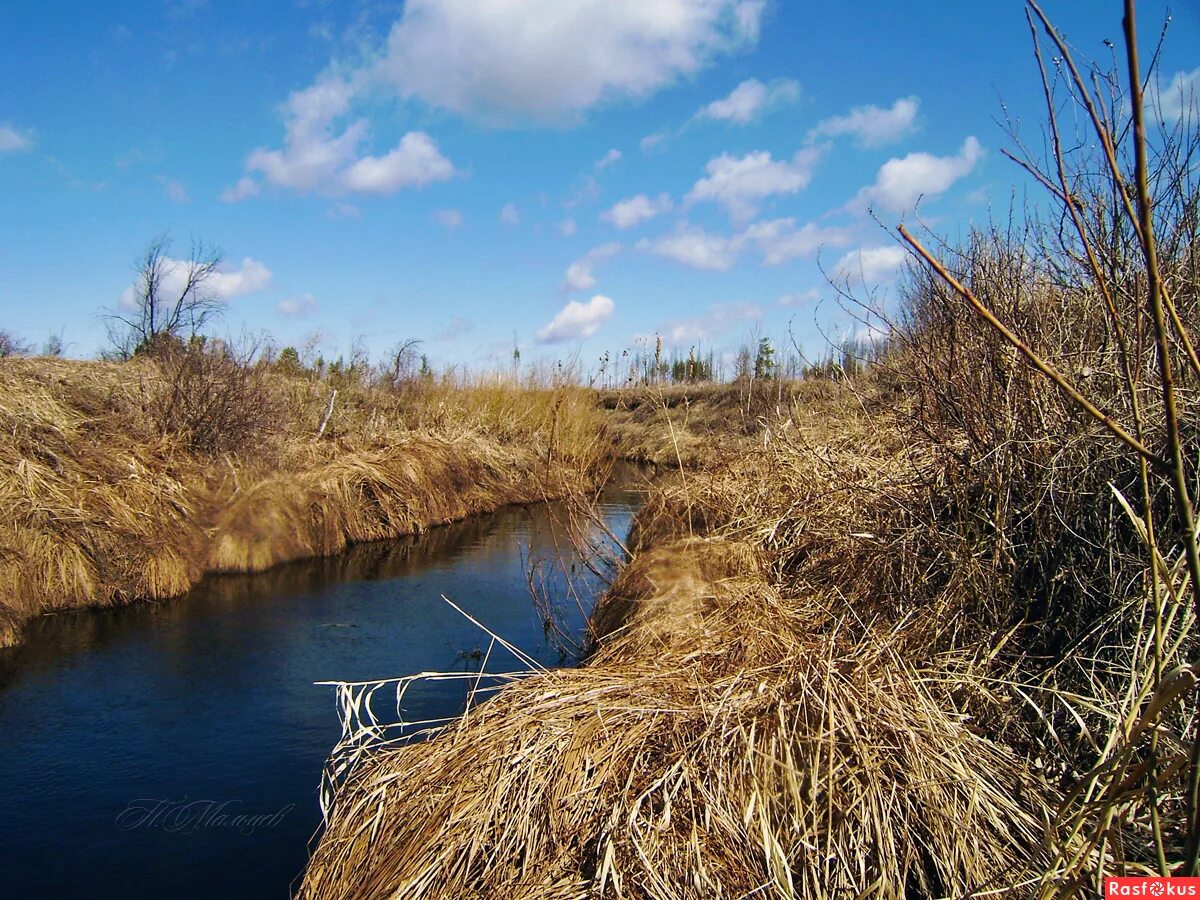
[
  {"x": 11, "y": 345},
  {"x": 213, "y": 398}
]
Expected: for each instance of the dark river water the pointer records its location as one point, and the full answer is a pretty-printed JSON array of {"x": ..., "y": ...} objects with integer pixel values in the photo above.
[{"x": 131, "y": 739}]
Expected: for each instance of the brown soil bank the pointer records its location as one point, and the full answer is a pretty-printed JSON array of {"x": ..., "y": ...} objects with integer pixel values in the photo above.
[{"x": 101, "y": 505}]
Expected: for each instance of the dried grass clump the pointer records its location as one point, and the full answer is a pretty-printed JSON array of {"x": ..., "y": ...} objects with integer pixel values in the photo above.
[{"x": 724, "y": 742}]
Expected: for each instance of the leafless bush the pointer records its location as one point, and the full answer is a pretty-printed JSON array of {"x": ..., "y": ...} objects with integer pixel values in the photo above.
[
  {"x": 11, "y": 345},
  {"x": 213, "y": 397}
]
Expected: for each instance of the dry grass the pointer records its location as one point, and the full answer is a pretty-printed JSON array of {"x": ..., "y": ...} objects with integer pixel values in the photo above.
[
  {"x": 700, "y": 754},
  {"x": 102, "y": 504}
]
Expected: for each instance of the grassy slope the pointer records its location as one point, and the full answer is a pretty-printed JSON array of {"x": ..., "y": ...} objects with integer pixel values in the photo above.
[{"x": 99, "y": 507}]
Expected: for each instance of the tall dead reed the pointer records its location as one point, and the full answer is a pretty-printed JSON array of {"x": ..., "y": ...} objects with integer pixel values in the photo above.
[{"x": 1068, "y": 377}]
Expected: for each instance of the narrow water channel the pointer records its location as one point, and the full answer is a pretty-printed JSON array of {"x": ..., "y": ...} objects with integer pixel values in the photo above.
[{"x": 132, "y": 739}]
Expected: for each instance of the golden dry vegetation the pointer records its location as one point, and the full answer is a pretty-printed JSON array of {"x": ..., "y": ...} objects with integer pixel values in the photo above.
[{"x": 106, "y": 500}]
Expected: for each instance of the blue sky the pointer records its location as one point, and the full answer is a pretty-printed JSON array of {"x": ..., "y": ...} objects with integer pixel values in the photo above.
[{"x": 579, "y": 174}]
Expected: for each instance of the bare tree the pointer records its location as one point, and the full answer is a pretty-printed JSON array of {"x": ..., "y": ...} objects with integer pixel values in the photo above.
[
  {"x": 11, "y": 345},
  {"x": 171, "y": 299}
]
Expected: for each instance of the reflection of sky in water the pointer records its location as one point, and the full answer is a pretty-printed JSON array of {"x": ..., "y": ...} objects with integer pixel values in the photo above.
[{"x": 212, "y": 698}]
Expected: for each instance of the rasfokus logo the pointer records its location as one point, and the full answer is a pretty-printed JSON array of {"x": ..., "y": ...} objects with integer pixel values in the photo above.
[{"x": 1152, "y": 887}]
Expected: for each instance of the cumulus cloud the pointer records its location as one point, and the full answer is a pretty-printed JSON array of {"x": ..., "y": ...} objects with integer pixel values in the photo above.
[
  {"x": 317, "y": 155},
  {"x": 579, "y": 275},
  {"x": 248, "y": 278},
  {"x": 741, "y": 183},
  {"x": 780, "y": 241},
  {"x": 717, "y": 320},
  {"x": 448, "y": 218},
  {"x": 227, "y": 282},
  {"x": 869, "y": 266},
  {"x": 567, "y": 227},
  {"x": 414, "y": 162},
  {"x": 481, "y": 58},
  {"x": 636, "y": 210},
  {"x": 872, "y": 126},
  {"x": 901, "y": 182},
  {"x": 697, "y": 248},
  {"x": 577, "y": 321},
  {"x": 297, "y": 307},
  {"x": 1181, "y": 95},
  {"x": 751, "y": 99},
  {"x": 510, "y": 215},
  {"x": 612, "y": 156},
  {"x": 777, "y": 240},
  {"x": 14, "y": 139},
  {"x": 245, "y": 187}
]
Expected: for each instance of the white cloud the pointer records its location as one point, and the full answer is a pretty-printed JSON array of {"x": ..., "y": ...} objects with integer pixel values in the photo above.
[
  {"x": 567, "y": 227},
  {"x": 780, "y": 241},
  {"x": 869, "y": 266},
  {"x": 225, "y": 283},
  {"x": 317, "y": 157},
  {"x": 717, "y": 320},
  {"x": 250, "y": 278},
  {"x": 1182, "y": 94},
  {"x": 297, "y": 306},
  {"x": 628, "y": 213},
  {"x": 741, "y": 183},
  {"x": 652, "y": 142},
  {"x": 176, "y": 190},
  {"x": 872, "y": 126},
  {"x": 612, "y": 156},
  {"x": 872, "y": 333},
  {"x": 510, "y": 215},
  {"x": 14, "y": 139},
  {"x": 901, "y": 182},
  {"x": 414, "y": 162},
  {"x": 245, "y": 187},
  {"x": 750, "y": 99},
  {"x": 448, "y": 218},
  {"x": 577, "y": 321},
  {"x": 697, "y": 248},
  {"x": 504, "y": 60},
  {"x": 800, "y": 298},
  {"x": 579, "y": 275}
]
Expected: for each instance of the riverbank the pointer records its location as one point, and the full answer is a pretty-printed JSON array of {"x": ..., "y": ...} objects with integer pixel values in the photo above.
[{"x": 104, "y": 505}]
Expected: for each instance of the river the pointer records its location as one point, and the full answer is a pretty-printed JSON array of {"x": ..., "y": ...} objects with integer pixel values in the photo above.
[{"x": 175, "y": 749}]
